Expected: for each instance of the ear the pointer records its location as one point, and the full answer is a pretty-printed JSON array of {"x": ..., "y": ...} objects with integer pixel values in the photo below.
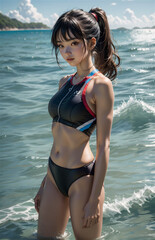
[{"x": 92, "y": 43}]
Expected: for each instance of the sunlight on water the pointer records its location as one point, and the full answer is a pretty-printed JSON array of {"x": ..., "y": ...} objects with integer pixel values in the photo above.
[{"x": 143, "y": 36}]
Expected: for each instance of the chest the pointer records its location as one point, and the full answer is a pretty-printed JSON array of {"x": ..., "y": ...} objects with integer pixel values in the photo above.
[{"x": 68, "y": 102}]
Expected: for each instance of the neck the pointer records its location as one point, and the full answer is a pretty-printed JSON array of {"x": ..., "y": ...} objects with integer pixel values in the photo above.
[{"x": 84, "y": 69}]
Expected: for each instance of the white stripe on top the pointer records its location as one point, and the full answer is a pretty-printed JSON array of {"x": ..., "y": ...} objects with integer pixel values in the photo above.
[{"x": 86, "y": 123}]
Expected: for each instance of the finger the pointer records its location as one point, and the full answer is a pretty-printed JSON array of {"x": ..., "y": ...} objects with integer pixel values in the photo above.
[
  {"x": 35, "y": 201},
  {"x": 37, "y": 198},
  {"x": 85, "y": 222},
  {"x": 91, "y": 222},
  {"x": 96, "y": 219},
  {"x": 37, "y": 205},
  {"x": 88, "y": 222}
]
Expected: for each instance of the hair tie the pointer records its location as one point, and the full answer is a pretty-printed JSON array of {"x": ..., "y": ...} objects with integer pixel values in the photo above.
[{"x": 94, "y": 14}]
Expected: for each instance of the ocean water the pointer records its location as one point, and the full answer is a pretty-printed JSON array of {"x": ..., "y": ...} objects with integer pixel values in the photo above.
[{"x": 29, "y": 77}]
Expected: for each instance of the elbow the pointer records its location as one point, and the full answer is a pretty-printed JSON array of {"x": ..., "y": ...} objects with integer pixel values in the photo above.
[{"x": 103, "y": 147}]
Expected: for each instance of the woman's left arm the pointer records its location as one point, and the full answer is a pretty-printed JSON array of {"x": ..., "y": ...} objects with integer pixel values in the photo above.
[{"x": 104, "y": 97}]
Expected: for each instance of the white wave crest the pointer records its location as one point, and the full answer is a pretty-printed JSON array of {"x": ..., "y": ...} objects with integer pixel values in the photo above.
[
  {"x": 133, "y": 102},
  {"x": 140, "y": 70},
  {"x": 139, "y": 198}
]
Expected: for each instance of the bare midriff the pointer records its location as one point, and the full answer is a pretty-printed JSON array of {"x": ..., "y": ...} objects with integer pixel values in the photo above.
[{"x": 70, "y": 147}]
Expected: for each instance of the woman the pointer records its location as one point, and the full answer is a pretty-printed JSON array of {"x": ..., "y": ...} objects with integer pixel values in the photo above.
[{"x": 74, "y": 184}]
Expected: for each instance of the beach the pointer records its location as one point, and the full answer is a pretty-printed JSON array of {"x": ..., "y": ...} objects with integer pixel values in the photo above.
[{"x": 29, "y": 77}]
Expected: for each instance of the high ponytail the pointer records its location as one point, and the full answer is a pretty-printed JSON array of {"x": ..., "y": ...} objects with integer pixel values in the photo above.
[{"x": 105, "y": 56}]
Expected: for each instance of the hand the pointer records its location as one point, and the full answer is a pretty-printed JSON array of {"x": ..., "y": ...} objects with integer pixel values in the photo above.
[
  {"x": 91, "y": 214},
  {"x": 37, "y": 199}
]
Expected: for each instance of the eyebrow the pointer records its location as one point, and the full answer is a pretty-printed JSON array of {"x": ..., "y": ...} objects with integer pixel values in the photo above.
[{"x": 67, "y": 40}]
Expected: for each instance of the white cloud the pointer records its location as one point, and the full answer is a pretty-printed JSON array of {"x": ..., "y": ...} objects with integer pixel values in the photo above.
[
  {"x": 16, "y": 14},
  {"x": 130, "y": 20},
  {"x": 53, "y": 18},
  {"x": 26, "y": 12}
]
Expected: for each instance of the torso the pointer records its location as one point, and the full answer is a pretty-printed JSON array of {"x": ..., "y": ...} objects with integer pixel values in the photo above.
[{"x": 71, "y": 147}]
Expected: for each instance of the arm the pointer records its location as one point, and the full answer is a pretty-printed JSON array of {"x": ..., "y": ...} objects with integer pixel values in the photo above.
[
  {"x": 104, "y": 97},
  {"x": 104, "y": 113},
  {"x": 37, "y": 198}
]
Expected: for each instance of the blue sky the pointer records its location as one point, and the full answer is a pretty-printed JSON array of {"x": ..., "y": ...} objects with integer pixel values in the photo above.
[{"x": 121, "y": 13}]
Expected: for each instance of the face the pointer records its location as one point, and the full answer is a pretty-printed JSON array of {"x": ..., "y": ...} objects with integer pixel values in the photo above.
[{"x": 73, "y": 50}]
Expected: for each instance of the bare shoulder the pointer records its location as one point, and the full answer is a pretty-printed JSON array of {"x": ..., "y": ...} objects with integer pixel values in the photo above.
[
  {"x": 63, "y": 80},
  {"x": 102, "y": 85}
]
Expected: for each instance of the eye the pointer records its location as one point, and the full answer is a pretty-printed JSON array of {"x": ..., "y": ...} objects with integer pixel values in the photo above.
[
  {"x": 75, "y": 43},
  {"x": 60, "y": 46}
]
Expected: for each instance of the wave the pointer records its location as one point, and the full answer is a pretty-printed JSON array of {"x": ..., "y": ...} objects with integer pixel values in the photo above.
[
  {"x": 25, "y": 211},
  {"x": 128, "y": 47},
  {"x": 126, "y": 204},
  {"x": 127, "y": 71},
  {"x": 7, "y": 69},
  {"x": 133, "y": 102},
  {"x": 136, "y": 112}
]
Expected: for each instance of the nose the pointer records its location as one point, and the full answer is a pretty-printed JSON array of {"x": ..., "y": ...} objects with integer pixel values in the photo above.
[{"x": 67, "y": 50}]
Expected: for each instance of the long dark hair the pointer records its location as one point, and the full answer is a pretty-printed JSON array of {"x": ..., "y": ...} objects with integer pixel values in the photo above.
[{"x": 85, "y": 25}]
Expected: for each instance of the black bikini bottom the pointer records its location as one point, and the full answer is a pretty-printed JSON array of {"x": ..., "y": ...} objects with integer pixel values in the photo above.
[{"x": 64, "y": 177}]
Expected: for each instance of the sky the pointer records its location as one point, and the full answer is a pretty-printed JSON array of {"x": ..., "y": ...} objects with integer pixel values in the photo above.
[{"x": 120, "y": 13}]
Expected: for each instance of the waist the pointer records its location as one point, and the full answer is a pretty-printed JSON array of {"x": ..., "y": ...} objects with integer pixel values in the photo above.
[
  {"x": 70, "y": 147},
  {"x": 71, "y": 157}
]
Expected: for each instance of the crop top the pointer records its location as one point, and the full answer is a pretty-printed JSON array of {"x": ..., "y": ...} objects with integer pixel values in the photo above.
[{"x": 68, "y": 106}]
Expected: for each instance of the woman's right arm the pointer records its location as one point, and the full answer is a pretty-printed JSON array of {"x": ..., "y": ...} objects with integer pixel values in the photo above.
[{"x": 37, "y": 198}]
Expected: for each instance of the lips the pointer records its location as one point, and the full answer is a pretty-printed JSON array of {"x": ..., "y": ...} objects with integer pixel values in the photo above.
[{"x": 70, "y": 59}]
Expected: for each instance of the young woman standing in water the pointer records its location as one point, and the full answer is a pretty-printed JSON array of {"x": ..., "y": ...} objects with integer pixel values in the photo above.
[{"x": 74, "y": 183}]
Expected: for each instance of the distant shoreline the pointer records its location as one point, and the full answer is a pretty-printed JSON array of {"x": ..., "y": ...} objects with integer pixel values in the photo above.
[
  {"x": 12, "y": 24},
  {"x": 22, "y": 29}
]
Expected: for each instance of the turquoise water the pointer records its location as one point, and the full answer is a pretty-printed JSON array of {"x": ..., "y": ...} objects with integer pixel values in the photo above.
[{"x": 29, "y": 77}]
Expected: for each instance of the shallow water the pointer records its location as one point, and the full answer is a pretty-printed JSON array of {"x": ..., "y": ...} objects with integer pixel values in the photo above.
[{"x": 29, "y": 77}]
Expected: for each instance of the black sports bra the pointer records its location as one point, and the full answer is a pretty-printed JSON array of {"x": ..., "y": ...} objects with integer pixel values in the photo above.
[{"x": 68, "y": 106}]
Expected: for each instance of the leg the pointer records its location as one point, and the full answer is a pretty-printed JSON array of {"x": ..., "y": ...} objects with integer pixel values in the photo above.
[
  {"x": 54, "y": 211},
  {"x": 79, "y": 195}
]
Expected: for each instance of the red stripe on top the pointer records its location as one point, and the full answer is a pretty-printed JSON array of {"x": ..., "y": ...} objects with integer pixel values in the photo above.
[{"x": 85, "y": 102}]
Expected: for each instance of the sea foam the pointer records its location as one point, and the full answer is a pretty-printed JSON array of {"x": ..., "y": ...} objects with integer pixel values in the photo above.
[
  {"x": 25, "y": 211},
  {"x": 126, "y": 204}
]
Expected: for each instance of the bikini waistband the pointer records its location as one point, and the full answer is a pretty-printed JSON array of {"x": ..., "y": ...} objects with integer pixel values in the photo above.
[{"x": 85, "y": 165}]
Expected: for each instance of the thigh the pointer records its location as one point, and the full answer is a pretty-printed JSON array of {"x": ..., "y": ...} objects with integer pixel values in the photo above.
[
  {"x": 54, "y": 210},
  {"x": 79, "y": 196}
]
